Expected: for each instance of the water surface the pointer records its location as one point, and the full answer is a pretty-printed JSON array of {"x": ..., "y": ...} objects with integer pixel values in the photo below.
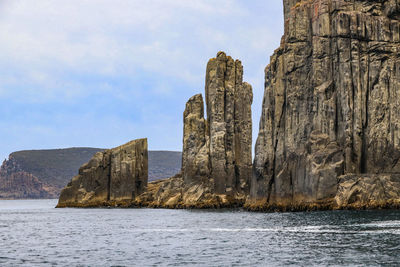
[{"x": 33, "y": 233}]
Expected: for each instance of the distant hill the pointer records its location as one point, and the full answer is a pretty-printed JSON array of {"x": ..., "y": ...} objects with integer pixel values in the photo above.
[
  {"x": 54, "y": 166},
  {"x": 43, "y": 173},
  {"x": 164, "y": 164}
]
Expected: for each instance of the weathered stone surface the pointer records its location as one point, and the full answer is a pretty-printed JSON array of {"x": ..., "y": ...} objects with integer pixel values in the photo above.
[
  {"x": 368, "y": 191},
  {"x": 174, "y": 193},
  {"x": 113, "y": 177},
  {"x": 196, "y": 142},
  {"x": 217, "y": 158},
  {"x": 331, "y": 104},
  {"x": 219, "y": 148}
]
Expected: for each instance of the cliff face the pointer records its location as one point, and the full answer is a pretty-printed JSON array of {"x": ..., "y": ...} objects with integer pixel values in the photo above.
[
  {"x": 17, "y": 183},
  {"x": 113, "y": 177},
  {"x": 216, "y": 159},
  {"x": 329, "y": 132}
]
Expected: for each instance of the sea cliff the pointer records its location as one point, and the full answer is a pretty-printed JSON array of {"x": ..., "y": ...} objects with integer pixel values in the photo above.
[{"x": 329, "y": 132}]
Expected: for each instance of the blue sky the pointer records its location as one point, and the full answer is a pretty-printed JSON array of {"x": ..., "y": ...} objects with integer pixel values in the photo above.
[{"x": 99, "y": 73}]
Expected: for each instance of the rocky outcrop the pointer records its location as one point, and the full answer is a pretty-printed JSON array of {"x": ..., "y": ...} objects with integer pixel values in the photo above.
[
  {"x": 113, "y": 177},
  {"x": 217, "y": 158},
  {"x": 357, "y": 191},
  {"x": 219, "y": 148},
  {"x": 16, "y": 183},
  {"x": 174, "y": 193},
  {"x": 330, "y": 127},
  {"x": 196, "y": 142}
]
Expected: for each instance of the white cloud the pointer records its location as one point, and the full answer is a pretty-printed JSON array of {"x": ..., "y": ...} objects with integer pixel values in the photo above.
[
  {"x": 112, "y": 37},
  {"x": 65, "y": 50}
]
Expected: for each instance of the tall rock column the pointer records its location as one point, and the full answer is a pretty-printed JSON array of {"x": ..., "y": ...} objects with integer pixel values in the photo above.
[
  {"x": 219, "y": 149},
  {"x": 195, "y": 156},
  {"x": 331, "y": 103}
]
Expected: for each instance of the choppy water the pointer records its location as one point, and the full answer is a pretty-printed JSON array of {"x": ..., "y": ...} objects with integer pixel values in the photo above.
[{"x": 33, "y": 233}]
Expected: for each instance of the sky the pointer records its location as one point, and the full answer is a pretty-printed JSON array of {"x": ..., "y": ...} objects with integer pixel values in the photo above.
[{"x": 99, "y": 73}]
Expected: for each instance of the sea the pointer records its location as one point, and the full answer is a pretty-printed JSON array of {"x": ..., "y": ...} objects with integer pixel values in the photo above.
[{"x": 34, "y": 233}]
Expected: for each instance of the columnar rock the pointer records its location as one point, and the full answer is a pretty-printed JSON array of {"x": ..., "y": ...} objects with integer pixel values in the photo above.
[
  {"x": 195, "y": 153},
  {"x": 115, "y": 176},
  {"x": 219, "y": 148},
  {"x": 331, "y": 104}
]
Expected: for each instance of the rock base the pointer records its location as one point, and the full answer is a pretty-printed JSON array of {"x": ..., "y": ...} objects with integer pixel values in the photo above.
[
  {"x": 172, "y": 193},
  {"x": 355, "y": 192}
]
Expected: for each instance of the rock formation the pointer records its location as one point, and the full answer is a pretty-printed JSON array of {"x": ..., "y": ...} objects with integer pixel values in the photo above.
[
  {"x": 36, "y": 174},
  {"x": 330, "y": 127},
  {"x": 113, "y": 177},
  {"x": 220, "y": 147},
  {"x": 329, "y": 133},
  {"x": 217, "y": 158}
]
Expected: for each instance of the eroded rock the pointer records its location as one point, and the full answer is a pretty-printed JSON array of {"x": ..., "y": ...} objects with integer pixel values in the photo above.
[
  {"x": 217, "y": 158},
  {"x": 368, "y": 191},
  {"x": 113, "y": 177},
  {"x": 218, "y": 150},
  {"x": 228, "y": 129},
  {"x": 331, "y": 104}
]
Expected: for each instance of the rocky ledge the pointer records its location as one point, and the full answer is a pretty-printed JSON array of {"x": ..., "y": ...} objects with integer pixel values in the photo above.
[{"x": 173, "y": 193}]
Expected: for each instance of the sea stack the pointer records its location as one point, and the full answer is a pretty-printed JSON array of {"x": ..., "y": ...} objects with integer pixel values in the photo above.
[
  {"x": 114, "y": 177},
  {"x": 219, "y": 147},
  {"x": 216, "y": 158},
  {"x": 330, "y": 127}
]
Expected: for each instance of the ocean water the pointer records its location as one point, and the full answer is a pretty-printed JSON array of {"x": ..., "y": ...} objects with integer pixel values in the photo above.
[{"x": 34, "y": 233}]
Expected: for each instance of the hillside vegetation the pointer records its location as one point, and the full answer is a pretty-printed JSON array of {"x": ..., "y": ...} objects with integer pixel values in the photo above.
[{"x": 55, "y": 166}]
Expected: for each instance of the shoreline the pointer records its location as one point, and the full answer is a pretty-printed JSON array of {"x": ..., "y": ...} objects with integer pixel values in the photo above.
[{"x": 244, "y": 207}]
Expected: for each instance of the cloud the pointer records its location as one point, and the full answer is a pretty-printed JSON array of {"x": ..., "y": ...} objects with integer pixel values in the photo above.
[{"x": 134, "y": 61}]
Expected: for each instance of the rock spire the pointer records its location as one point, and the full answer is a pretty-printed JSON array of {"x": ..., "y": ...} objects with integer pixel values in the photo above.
[{"x": 219, "y": 147}]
